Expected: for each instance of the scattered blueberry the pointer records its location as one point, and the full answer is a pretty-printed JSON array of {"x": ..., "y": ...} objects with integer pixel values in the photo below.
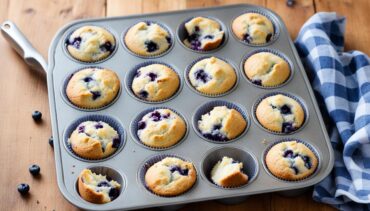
[
  {"x": 75, "y": 42},
  {"x": 143, "y": 94},
  {"x": 116, "y": 142},
  {"x": 106, "y": 47},
  {"x": 152, "y": 76},
  {"x": 34, "y": 169},
  {"x": 217, "y": 127},
  {"x": 287, "y": 127},
  {"x": 290, "y": 3},
  {"x": 103, "y": 184},
  {"x": 296, "y": 171},
  {"x": 247, "y": 38},
  {"x": 137, "y": 74},
  {"x": 268, "y": 37},
  {"x": 98, "y": 126},
  {"x": 181, "y": 171},
  {"x": 216, "y": 136},
  {"x": 156, "y": 116},
  {"x": 196, "y": 29},
  {"x": 168, "y": 40},
  {"x": 87, "y": 79},
  {"x": 113, "y": 193},
  {"x": 307, "y": 161},
  {"x": 202, "y": 75},
  {"x": 81, "y": 129},
  {"x": 23, "y": 188},
  {"x": 208, "y": 37},
  {"x": 141, "y": 125},
  {"x": 148, "y": 23},
  {"x": 151, "y": 46},
  {"x": 194, "y": 41},
  {"x": 51, "y": 141},
  {"x": 257, "y": 82},
  {"x": 95, "y": 94},
  {"x": 36, "y": 115},
  {"x": 288, "y": 154},
  {"x": 285, "y": 109}
]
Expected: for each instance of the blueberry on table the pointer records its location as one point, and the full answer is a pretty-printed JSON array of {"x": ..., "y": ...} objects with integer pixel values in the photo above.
[
  {"x": 36, "y": 115},
  {"x": 23, "y": 188},
  {"x": 34, "y": 169},
  {"x": 51, "y": 141}
]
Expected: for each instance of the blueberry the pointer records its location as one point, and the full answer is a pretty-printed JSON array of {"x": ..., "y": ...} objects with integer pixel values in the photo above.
[
  {"x": 247, "y": 38},
  {"x": 290, "y": 3},
  {"x": 151, "y": 46},
  {"x": 81, "y": 129},
  {"x": 51, "y": 141},
  {"x": 296, "y": 171},
  {"x": 95, "y": 94},
  {"x": 152, "y": 76},
  {"x": 193, "y": 37},
  {"x": 103, "y": 184},
  {"x": 168, "y": 40},
  {"x": 156, "y": 116},
  {"x": 195, "y": 44},
  {"x": 143, "y": 94},
  {"x": 137, "y": 74},
  {"x": 36, "y": 115},
  {"x": 287, "y": 127},
  {"x": 288, "y": 154},
  {"x": 76, "y": 42},
  {"x": 181, "y": 171},
  {"x": 215, "y": 136},
  {"x": 257, "y": 82},
  {"x": 87, "y": 79},
  {"x": 98, "y": 126},
  {"x": 116, "y": 142},
  {"x": 23, "y": 188},
  {"x": 234, "y": 161},
  {"x": 307, "y": 162},
  {"x": 209, "y": 37},
  {"x": 34, "y": 169},
  {"x": 217, "y": 127},
  {"x": 106, "y": 47},
  {"x": 201, "y": 75},
  {"x": 166, "y": 116},
  {"x": 113, "y": 193},
  {"x": 196, "y": 28},
  {"x": 285, "y": 109},
  {"x": 268, "y": 37},
  {"x": 148, "y": 23},
  {"x": 141, "y": 125}
]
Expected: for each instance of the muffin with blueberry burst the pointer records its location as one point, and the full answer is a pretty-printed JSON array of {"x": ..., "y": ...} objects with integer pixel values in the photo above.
[
  {"x": 253, "y": 28},
  {"x": 92, "y": 87},
  {"x": 155, "y": 82},
  {"x": 222, "y": 124},
  {"x": 147, "y": 39},
  {"x": 212, "y": 76},
  {"x": 291, "y": 160},
  {"x": 170, "y": 177},
  {"x": 161, "y": 128},
  {"x": 90, "y": 44},
  {"x": 280, "y": 113},
  {"x": 97, "y": 188},
  {"x": 94, "y": 140},
  {"x": 203, "y": 34},
  {"x": 228, "y": 173}
]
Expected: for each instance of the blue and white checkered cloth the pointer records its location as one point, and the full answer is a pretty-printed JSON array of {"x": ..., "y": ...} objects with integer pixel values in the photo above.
[{"x": 341, "y": 81}]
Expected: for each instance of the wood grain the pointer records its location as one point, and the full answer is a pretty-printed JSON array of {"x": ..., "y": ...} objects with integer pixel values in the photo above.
[{"x": 23, "y": 142}]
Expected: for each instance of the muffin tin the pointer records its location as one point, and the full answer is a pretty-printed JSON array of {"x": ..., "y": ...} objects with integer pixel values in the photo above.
[{"x": 127, "y": 163}]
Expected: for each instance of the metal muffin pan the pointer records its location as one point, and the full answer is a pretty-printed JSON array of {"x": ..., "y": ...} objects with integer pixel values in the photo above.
[{"x": 127, "y": 162}]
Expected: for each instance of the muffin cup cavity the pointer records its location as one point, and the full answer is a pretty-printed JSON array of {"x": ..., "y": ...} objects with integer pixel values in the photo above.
[
  {"x": 294, "y": 97},
  {"x": 207, "y": 107},
  {"x": 182, "y": 34},
  {"x": 269, "y": 15},
  {"x": 313, "y": 149},
  {"x": 73, "y": 29},
  {"x": 275, "y": 52},
  {"x": 250, "y": 163},
  {"x": 172, "y": 43},
  {"x": 111, "y": 174},
  {"x": 67, "y": 101},
  {"x": 129, "y": 78},
  {"x": 188, "y": 82},
  {"x": 134, "y": 129},
  {"x": 114, "y": 123},
  {"x": 154, "y": 159}
]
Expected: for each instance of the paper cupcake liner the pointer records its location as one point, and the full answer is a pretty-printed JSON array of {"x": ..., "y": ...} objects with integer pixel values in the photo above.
[
  {"x": 188, "y": 82},
  {"x": 207, "y": 107},
  {"x": 154, "y": 159},
  {"x": 110, "y": 173},
  {"x": 250, "y": 163},
  {"x": 275, "y": 52},
  {"x": 297, "y": 99},
  {"x": 68, "y": 34},
  {"x": 149, "y": 56},
  {"x": 182, "y": 34},
  {"x": 66, "y": 99},
  {"x": 287, "y": 140},
  {"x": 269, "y": 16},
  {"x": 114, "y": 123},
  {"x": 131, "y": 75},
  {"x": 134, "y": 129}
]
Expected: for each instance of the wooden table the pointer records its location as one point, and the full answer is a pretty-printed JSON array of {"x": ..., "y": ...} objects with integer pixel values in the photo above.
[{"x": 22, "y": 142}]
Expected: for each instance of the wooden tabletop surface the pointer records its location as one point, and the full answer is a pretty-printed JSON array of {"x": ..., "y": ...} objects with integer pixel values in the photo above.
[{"x": 22, "y": 142}]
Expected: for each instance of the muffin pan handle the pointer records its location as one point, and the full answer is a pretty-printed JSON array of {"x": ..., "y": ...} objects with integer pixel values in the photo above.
[{"x": 23, "y": 47}]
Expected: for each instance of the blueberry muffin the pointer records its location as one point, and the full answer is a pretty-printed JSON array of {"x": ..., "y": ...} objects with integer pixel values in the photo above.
[
  {"x": 147, "y": 39},
  {"x": 280, "y": 113},
  {"x": 266, "y": 69},
  {"x": 291, "y": 160},
  {"x": 203, "y": 34},
  {"x": 228, "y": 173},
  {"x": 212, "y": 76},
  {"x": 253, "y": 28},
  {"x": 161, "y": 128},
  {"x": 222, "y": 124},
  {"x": 155, "y": 82},
  {"x": 170, "y": 177},
  {"x": 93, "y": 87},
  {"x": 96, "y": 188},
  {"x": 94, "y": 140},
  {"x": 90, "y": 44}
]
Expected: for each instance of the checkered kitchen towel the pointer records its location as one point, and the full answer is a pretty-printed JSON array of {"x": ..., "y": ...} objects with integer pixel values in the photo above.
[{"x": 341, "y": 81}]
